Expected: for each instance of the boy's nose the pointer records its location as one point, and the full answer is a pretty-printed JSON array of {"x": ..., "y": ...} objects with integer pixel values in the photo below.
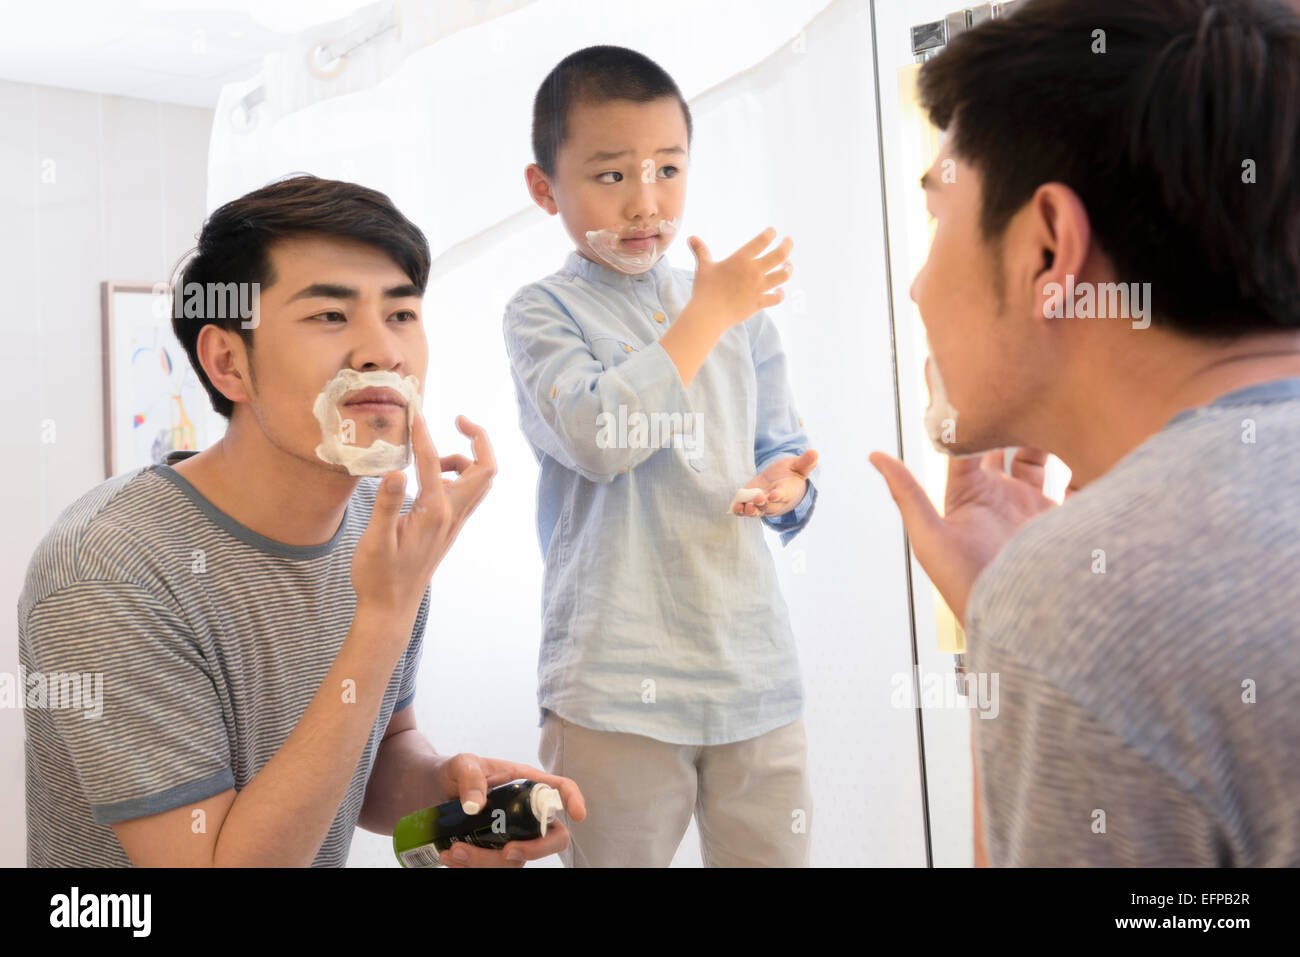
[{"x": 643, "y": 209}]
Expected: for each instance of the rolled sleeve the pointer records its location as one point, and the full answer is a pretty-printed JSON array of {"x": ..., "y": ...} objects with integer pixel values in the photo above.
[
  {"x": 778, "y": 431},
  {"x": 792, "y": 522},
  {"x": 564, "y": 389}
]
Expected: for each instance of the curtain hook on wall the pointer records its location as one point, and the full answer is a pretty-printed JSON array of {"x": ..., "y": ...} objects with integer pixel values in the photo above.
[
  {"x": 242, "y": 116},
  {"x": 324, "y": 64}
]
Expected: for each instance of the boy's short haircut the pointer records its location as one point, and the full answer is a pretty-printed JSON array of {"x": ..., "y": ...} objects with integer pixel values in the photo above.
[
  {"x": 595, "y": 75},
  {"x": 234, "y": 247},
  {"x": 1180, "y": 139}
]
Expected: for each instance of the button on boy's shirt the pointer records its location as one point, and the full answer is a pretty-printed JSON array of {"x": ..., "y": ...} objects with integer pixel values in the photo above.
[{"x": 661, "y": 612}]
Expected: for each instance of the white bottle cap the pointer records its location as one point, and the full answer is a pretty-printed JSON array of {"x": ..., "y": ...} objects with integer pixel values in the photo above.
[{"x": 545, "y": 803}]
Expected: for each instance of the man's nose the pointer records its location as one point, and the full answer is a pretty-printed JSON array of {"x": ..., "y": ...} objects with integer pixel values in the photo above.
[{"x": 376, "y": 347}]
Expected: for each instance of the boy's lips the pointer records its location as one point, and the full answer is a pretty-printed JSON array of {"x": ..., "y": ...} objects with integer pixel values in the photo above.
[{"x": 643, "y": 241}]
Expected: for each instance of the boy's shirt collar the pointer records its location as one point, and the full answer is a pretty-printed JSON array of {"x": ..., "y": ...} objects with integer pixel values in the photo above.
[{"x": 598, "y": 272}]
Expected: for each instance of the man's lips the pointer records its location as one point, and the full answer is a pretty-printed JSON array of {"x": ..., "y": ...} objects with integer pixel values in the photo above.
[{"x": 376, "y": 397}]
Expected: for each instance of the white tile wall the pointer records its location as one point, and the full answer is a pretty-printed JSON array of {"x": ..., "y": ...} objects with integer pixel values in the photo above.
[{"x": 92, "y": 188}]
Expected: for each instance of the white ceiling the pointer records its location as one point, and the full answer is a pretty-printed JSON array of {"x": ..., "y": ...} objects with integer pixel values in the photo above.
[{"x": 172, "y": 51}]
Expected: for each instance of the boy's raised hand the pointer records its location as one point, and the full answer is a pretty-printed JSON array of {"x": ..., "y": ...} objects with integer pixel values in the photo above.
[
  {"x": 745, "y": 282},
  {"x": 781, "y": 486}
]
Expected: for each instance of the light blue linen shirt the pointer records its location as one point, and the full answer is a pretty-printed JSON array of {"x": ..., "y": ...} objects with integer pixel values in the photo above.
[{"x": 661, "y": 612}]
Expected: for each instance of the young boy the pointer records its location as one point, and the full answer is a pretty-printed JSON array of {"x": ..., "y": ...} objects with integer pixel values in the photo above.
[{"x": 668, "y": 678}]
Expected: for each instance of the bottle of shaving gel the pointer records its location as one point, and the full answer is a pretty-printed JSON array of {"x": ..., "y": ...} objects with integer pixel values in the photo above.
[{"x": 518, "y": 811}]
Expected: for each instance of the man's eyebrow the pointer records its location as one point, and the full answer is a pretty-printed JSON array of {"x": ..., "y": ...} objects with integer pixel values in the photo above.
[
  {"x": 404, "y": 291},
  {"x": 329, "y": 290},
  {"x": 603, "y": 155}
]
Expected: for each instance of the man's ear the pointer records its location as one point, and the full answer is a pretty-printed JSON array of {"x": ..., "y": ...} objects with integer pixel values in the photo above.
[
  {"x": 222, "y": 355},
  {"x": 539, "y": 188},
  {"x": 1061, "y": 235}
]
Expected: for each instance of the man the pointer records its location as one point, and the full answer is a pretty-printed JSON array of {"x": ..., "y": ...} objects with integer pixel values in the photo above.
[
  {"x": 256, "y": 613},
  {"x": 1145, "y": 630}
]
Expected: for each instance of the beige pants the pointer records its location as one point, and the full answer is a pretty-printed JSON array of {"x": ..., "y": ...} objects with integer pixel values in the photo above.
[{"x": 751, "y": 799}]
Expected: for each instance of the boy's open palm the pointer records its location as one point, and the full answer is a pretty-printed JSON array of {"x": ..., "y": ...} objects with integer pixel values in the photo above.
[{"x": 781, "y": 486}]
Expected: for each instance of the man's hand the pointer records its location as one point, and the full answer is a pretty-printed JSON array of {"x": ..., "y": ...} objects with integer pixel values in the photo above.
[
  {"x": 397, "y": 554},
  {"x": 470, "y": 777},
  {"x": 781, "y": 486},
  {"x": 983, "y": 508}
]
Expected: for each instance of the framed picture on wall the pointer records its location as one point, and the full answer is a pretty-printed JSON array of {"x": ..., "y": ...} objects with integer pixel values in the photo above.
[{"x": 154, "y": 402}]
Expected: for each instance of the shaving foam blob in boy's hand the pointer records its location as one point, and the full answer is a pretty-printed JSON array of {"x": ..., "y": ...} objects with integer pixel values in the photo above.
[
  {"x": 743, "y": 283},
  {"x": 776, "y": 489}
]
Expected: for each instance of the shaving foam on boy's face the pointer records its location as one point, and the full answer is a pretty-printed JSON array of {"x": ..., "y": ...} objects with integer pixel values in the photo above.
[
  {"x": 369, "y": 439},
  {"x": 631, "y": 250}
]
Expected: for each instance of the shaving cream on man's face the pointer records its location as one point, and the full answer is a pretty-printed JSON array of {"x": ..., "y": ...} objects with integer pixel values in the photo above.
[
  {"x": 371, "y": 437},
  {"x": 940, "y": 416},
  {"x": 629, "y": 254}
]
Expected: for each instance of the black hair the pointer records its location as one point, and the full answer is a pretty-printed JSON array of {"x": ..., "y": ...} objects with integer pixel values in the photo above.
[
  {"x": 234, "y": 248},
  {"x": 1180, "y": 140},
  {"x": 595, "y": 75}
]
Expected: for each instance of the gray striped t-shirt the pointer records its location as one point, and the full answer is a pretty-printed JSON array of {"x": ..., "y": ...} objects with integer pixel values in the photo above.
[
  {"x": 1146, "y": 635},
  {"x": 210, "y": 641}
]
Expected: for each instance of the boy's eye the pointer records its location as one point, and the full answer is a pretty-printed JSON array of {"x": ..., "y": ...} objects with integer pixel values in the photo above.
[
  {"x": 411, "y": 316},
  {"x": 322, "y": 315},
  {"x": 670, "y": 170},
  {"x": 612, "y": 172}
]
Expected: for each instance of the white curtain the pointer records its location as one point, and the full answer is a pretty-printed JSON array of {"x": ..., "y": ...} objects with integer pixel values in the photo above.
[{"x": 436, "y": 113}]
